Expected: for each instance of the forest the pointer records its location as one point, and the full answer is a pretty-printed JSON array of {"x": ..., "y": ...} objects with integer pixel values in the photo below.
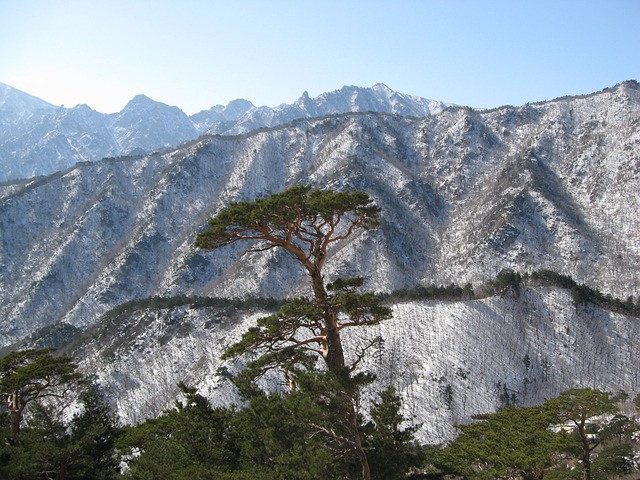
[
  {"x": 58, "y": 422},
  {"x": 67, "y": 430}
]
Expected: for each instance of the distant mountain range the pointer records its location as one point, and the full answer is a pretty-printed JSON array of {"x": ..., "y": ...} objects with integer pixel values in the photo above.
[
  {"x": 463, "y": 194},
  {"x": 37, "y": 138}
]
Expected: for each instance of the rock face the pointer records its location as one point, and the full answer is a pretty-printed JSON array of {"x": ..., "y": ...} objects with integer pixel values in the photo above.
[
  {"x": 37, "y": 138},
  {"x": 464, "y": 194}
]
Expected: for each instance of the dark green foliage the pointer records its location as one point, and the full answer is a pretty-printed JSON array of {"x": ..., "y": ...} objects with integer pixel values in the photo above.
[
  {"x": 157, "y": 302},
  {"x": 277, "y": 432},
  {"x": 432, "y": 292},
  {"x": 293, "y": 337},
  {"x": 275, "y": 436},
  {"x": 577, "y": 407},
  {"x": 583, "y": 294},
  {"x": 618, "y": 429},
  {"x": 513, "y": 442},
  {"x": 92, "y": 435},
  {"x": 615, "y": 459},
  {"x": 26, "y": 375},
  {"x": 549, "y": 277},
  {"x": 305, "y": 222},
  {"x": 389, "y": 442},
  {"x": 304, "y": 434},
  {"x": 300, "y": 209},
  {"x": 52, "y": 336},
  {"x": 507, "y": 279},
  {"x": 39, "y": 450},
  {"x": 191, "y": 441},
  {"x": 49, "y": 447}
]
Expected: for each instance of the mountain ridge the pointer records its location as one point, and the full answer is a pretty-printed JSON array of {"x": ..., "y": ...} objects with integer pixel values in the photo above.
[
  {"x": 533, "y": 345},
  {"x": 524, "y": 188},
  {"x": 37, "y": 138},
  {"x": 463, "y": 194}
]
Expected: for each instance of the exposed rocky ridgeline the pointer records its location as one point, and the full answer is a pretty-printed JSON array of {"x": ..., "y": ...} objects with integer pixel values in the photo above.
[{"x": 37, "y": 138}]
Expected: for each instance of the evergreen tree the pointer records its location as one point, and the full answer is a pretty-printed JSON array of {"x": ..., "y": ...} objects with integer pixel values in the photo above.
[
  {"x": 269, "y": 438},
  {"x": 92, "y": 436},
  {"x": 391, "y": 447},
  {"x": 49, "y": 446},
  {"x": 190, "y": 441},
  {"x": 27, "y": 375},
  {"x": 280, "y": 436},
  {"x": 577, "y": 407},
  {"x": 511, "y": 443},
  {"x": 306, "y": 223}
]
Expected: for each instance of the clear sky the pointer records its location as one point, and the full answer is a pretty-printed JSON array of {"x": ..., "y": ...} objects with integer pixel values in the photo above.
[{"x": 197, "y": 54}]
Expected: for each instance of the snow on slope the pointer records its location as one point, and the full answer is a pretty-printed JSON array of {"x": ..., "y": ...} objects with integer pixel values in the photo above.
[
  {"x": 534, "y": 345},
  {"x": 37, "y": 138},
  {"x": 463, "y": 195}
]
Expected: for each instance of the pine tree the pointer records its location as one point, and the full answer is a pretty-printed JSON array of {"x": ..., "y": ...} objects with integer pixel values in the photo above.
[
  {"x": 27, "y": 375},
  {"x": 511, "y": 443},
  {"x": 391, "y": 447},
  {"x": 577, "y": 407},
  {"x": 306, "y": 223}
]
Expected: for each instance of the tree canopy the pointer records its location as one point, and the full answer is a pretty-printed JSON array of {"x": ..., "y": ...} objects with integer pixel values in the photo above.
[
  {"x": 301, "y": 220},
  {"x": 511, "y": 443},
  {"x": 306, "y": 222},
  {"x": 578, "y": 407},
  {"x": 26, "y": 375}
]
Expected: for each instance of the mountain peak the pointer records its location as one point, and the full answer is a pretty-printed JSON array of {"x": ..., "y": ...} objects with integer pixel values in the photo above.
[
  {"x": 382, "y": 88},
  {"x": 141, "y": 100},
  {"x": 14, "y": 100},
  {"x": 304, "y": 100}
]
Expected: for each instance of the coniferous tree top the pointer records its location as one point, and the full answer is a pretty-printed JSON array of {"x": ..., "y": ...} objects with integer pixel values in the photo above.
[
  {"x": 33, "y": 371},
  {"x": 300, "y": 215},
  {"x": 26, "y": 375}
]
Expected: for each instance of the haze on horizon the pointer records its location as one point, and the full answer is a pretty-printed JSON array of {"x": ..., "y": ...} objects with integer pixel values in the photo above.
[{"x": 196, "y": 54}]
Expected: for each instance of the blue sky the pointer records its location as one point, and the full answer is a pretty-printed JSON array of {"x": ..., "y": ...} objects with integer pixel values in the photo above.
[{"x": 197, "y": 54}]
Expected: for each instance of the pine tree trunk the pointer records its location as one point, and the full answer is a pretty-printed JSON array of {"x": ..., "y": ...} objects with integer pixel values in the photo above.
[
  {"x": 334, "y": 356},
  {"x": 587, "y": 469},
  {"x": 586, "y": 451},
  {"x": 16, "y": 407},
  {"x": 334, "y": 359},
  {"x": 360, "y": 452},
  {"x": 15, "y": 419}
]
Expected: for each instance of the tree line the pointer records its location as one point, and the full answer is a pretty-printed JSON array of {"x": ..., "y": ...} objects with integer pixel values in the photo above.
[
  {"x": 57, "y": 424},
  {"x": 505, "y": 280},
  {"x": 508, "y": 279},
  {"x": 314, "y": 425}
]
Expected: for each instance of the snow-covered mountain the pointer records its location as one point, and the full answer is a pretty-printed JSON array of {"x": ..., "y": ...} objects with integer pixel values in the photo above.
[
  {"x": 145, "y": 125},
  {"x": 15, "y": 101},
  {"x": 37, "y": 138},
  {"x": 241, "y": 117},
  {"x": 448, "y": 360},
  {"x": 464, "y": 193}
]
